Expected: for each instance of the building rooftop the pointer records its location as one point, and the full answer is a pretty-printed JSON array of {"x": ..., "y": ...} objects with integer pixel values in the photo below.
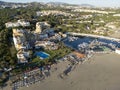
[{"x": 80, "y": 55}]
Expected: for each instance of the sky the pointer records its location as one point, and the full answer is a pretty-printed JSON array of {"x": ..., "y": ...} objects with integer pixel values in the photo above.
[{"x": 99, "y": 3}]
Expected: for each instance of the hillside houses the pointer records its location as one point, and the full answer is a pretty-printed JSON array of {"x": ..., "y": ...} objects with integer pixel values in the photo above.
[
  {"x": 92, "y": 11},
  {"x": 52, "y": 12}
]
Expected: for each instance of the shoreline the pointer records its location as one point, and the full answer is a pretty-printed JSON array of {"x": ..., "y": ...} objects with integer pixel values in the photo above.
[{"x": 98, "y": 73}]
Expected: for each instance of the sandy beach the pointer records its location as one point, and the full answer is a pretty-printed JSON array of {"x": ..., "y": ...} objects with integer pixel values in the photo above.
[{"x": 101, "y": 72}]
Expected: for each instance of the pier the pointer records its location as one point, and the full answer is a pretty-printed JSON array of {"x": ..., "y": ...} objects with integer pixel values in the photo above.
[{"x": 95, "y": 36}]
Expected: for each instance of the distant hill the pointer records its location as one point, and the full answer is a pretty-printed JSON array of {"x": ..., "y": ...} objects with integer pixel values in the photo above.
[
  {"x": 86, "y": 5},
  {"x": 43, "y": 4},
  {"x": 57, "y": 3},
  {"x": 2, "y": 2},
  {"x": 9, "y": 3}
]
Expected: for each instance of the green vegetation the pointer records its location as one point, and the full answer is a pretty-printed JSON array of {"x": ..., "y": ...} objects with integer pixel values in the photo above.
[
  {"x": 54, "y": 55},
  {"x": 7, "y": 49},
  {"x": 7, "y": 53}
]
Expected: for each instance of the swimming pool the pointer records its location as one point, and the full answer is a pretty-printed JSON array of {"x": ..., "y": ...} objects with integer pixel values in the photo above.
[{"x": 42, "y": 55}]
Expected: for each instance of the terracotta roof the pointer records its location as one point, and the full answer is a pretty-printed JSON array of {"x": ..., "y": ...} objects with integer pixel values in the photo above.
[{"x": 80, "y": 55}]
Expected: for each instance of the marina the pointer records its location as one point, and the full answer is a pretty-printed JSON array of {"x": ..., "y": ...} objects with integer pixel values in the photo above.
[{"x": 85, "y": 44}]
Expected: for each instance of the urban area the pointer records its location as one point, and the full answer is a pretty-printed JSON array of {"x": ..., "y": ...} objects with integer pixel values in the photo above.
[{"x": 41, "y": 43}]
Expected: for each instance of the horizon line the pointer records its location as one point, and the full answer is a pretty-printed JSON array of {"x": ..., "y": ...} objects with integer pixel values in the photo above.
[{"x": 60, "y": 2}]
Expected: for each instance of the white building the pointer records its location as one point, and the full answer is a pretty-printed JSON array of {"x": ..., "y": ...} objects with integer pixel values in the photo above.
[
  {"x": 53, "y": 12},
  {"x": 117, "y": 51},
  {"x": 22, "y": 22},
  {"x": 116, "y": 15},
  {"x": 17, "y": 24},
  {"x": 10, "y": 24},
  {"x": 19, "y": 39},
  {"x": 46, "y": 44},
  {"x": 21, "y": 44},
  {"x": 22, "y": 56},
  {"x": 40, "y": 26}
]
